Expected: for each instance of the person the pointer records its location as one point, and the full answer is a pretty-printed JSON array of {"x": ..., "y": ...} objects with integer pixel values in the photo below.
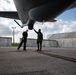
[
  {"x": 39, "y": 39},
  {"x": 23, "y": 40}
]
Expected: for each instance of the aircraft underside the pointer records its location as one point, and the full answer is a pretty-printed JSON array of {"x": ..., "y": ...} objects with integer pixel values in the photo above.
[
  {"x": 30, "y": 11},
  {"x": 43, "y": 10}
]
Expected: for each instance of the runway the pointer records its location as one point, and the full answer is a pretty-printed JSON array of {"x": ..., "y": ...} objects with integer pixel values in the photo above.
[{"x": 49, "y": 61}]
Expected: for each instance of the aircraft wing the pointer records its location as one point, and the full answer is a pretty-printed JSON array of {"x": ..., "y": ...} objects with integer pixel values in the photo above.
[{"x": 9, "y": 14}]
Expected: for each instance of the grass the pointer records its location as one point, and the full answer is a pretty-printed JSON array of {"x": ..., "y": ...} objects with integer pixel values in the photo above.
[{"x": 15, "y": 45}]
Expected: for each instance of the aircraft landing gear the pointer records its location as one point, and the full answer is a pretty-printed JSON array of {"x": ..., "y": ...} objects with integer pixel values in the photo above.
[{"x": 31, "y": 24}]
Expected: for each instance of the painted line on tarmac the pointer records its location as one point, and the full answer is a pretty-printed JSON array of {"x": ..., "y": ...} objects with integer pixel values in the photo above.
[{"x": 59, "y": 56}]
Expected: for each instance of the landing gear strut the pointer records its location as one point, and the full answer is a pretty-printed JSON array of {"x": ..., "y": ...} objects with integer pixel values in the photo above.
[{"x": 31, "y": 24}]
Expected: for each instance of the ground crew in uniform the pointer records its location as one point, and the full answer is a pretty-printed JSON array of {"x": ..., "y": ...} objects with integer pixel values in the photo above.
[
  {"x": 39, "y": 39},
  {"x": 23, "y": 40}
]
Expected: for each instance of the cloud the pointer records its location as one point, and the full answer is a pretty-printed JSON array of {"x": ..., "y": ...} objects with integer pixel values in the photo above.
[
  {"x": 5, "y": 31},
  {"x": 47, "y": 28},
  {"x": 7, "y": 5},
  {"x": 6, "y": 27},
  {"x": 56, "y": 27}
]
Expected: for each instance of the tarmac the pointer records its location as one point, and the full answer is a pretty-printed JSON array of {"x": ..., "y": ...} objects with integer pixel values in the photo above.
[{"x": 49, "y": 61}]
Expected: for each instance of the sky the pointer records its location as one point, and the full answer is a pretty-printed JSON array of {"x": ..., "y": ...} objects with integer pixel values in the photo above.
[{"x": 66, "y": 22}]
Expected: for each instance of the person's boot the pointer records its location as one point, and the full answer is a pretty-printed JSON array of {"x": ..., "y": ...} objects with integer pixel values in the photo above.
[
  {"x": 24, "y": 49},
  {"x": 18, "y": 49},
  {"x": 40, "y": 48}
]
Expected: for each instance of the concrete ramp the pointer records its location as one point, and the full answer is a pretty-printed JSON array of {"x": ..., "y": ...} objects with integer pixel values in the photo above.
[{"x": 49, "y": 61}]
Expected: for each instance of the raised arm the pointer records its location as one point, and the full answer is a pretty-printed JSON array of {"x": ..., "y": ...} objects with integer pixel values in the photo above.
[{"x": 35, "y": 30}]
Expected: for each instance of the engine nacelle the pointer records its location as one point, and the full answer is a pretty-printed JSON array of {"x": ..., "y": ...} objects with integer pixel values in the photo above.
[{"x": 50, "y": 10}]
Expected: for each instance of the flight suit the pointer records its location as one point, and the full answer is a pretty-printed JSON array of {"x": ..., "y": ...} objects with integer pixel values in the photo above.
[
  {"x": 23, "y": 40},
  {"x": 39, "y": 40}
]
